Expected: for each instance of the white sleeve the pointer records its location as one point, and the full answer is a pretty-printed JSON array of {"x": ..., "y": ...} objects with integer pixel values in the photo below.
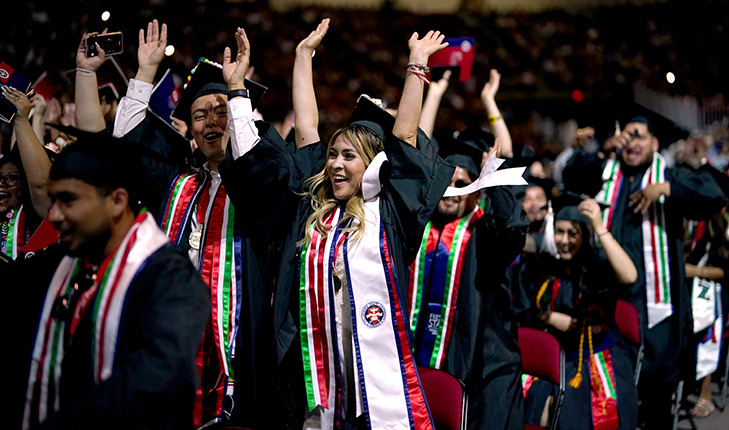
[
  {"x": 243, "y": 131},
  {"x": 133, "y": 107}
]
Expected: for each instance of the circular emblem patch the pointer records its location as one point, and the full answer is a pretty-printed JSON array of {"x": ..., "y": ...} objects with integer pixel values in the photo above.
[
  {"x": 373, "y": 314},
  {"x": 4, "y": 74},
  {"x": 465, "y": 46}
]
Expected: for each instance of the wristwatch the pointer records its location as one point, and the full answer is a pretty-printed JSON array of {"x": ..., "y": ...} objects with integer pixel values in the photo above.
[{"x": 238, "y": 93}]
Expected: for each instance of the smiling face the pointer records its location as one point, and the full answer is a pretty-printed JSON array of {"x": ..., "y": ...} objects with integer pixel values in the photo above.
[
  {"x": 209, "y": 120},
  {"x": 345, "y": 168},
  {"x": 640, "y": 148},
  {"x": 568, "y": 238},
  {"x": 535, "y": 202},
  {"x": 10, "y": 195},
  {"x": 451, "y": 208},
  {"x": 82, "y": 215}
]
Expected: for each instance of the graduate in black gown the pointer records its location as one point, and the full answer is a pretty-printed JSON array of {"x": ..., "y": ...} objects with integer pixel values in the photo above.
[
  {"x": 573, "y": 297},
  {"x": 124, "y": 311},
  {"x": 384, "y": 181},
  {"x": 460, "y": 301},
  {"x": 643, "y": 196},
  {"x": 199, "y": 218}
]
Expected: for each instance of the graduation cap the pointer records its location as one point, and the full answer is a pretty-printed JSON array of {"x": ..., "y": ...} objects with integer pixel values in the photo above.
[
  {"x": 547, "y": 184},
  {"x": 371, "y": 110},
  {"x": 207, "y": 78},
  {"x": 721, "y": 179},
  {"x": 111, "y": 80},
  {"x": 465, "y": 154},
  {"x": 477, "y": 136}
]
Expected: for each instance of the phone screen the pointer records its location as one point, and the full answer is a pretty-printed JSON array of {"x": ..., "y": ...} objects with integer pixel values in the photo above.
[{"x": 111, "y": 43}]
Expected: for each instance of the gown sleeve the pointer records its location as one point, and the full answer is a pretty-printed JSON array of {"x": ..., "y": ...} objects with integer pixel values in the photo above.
[
  {"x": 415, "y": 181},
  {"x": 695, "y": 192},
  {"x": 268, "y": 181}
]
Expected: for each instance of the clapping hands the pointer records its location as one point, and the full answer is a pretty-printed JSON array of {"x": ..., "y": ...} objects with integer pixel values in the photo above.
[{"x": 235, "y": 70}]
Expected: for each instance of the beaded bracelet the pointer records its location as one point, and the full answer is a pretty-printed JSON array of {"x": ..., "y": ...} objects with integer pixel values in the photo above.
[{"x": 419, "y": 70}]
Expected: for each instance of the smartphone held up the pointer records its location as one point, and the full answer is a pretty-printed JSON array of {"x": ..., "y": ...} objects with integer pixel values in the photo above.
[{"x": 111, "y": 43}]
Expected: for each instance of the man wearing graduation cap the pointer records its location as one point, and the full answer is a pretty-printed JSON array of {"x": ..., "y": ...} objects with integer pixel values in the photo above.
[
  {"x": 459, "y": 298},
  {"x": 198, "y": 217},
  {"x": 124, "y": 312},
  {"x": 646, "y": 203}
]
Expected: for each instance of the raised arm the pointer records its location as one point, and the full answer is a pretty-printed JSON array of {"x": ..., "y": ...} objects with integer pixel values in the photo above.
[
  {"x": 88, "y": 107},
  {"x": 133, "y": 107},
  {"x": 36, "y": 164},
  {"x": 432, "y": 103},
  {"x": 496, "y": 120},
  {"x": 622, "y": 264},
  {"x": 306, "y": 112},
  {"x": 408, "y": 111}
]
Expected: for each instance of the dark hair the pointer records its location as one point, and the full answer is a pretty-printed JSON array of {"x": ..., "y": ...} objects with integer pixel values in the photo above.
[{"x": 644, "y": 120}]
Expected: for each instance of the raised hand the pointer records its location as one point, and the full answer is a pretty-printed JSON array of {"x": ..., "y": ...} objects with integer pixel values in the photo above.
[
  {"x": 492, "y": 86},
  {"x": 151, "y": 50},
  {"x": 440, "y": 86},
  {"x": 591, "y": 210},
  {"x": 19, "y": 100},
  {"x": 421, "y": 49},
  {"x": 89, "y": 63},
  {"x": 308, "y": 45},
  {"x": 234, "y": 70},
  {"x": 39, "y": 103}
]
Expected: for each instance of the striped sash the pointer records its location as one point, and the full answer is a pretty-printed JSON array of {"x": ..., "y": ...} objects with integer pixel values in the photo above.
[
  {"x": 106, "y": 305},
  {"x": 435, "y": 277},
  {"x": 220, "y": 265},
  {"x": 13, "y": 229},
  {"x": 604, "y": 394},
  {"x": 387, "y": 387},
  {"x": 655, "y": 239}
]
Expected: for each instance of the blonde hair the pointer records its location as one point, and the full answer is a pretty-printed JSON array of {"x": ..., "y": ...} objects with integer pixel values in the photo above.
[{"x": 367, "y": 144}]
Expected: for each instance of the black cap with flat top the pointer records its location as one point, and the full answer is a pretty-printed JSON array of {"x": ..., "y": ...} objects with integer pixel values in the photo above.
[{"x": 207, "y": 78}]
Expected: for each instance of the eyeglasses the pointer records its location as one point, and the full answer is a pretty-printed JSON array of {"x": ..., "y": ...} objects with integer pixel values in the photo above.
[{"x": 10, "y": 180}]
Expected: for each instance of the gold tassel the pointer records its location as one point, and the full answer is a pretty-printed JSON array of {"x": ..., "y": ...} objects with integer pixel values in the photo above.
[{"x": 576, "y": 381}]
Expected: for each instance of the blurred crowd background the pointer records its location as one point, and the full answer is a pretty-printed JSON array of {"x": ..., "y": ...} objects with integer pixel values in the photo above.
[{"x": 564, "y": 65}]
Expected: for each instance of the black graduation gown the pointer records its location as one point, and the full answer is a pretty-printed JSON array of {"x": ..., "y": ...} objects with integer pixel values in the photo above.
[
  {"x": 669, "y": 349},
  {"x": 252, "y": 393},
  {"x": 482, "y": 351},
  {"x": 152, "y": 385},
  {"x": 270, "y": 181},
  {"x": 601, "y": 293}
]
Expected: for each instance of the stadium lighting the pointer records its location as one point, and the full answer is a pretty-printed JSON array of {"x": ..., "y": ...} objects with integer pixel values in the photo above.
[
  {"x": 670, "y": 77},
  {"x": 169, "y": 50},
  {"x": 105, "y": 16}
]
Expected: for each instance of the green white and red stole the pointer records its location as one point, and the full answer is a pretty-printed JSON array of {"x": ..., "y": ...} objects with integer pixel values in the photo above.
[
  {"x": 603, "y": 392},
  {"x": 708, "y": 350},
  {"x": 435, "y": 277},
  {"x": 13, "y": 230},
  {"x": 220, "y": 265},
  {"x": 387, "y": 386},
  {"x": 105, "y": 303},
  {"x": 655, "y": 239}
]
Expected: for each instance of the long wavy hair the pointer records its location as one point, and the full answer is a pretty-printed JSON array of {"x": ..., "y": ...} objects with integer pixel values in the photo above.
[{"x": 367, "y": 144}]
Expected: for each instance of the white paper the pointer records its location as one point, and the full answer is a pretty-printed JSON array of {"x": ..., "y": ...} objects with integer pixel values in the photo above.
[{"x": 489, "y": 177}]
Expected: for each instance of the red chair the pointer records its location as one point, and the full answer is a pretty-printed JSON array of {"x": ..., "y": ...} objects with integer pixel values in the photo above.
[
  {"x": 447, "y": 399},
  {"x": 543, "y": 357},
  {"x": 628, "y": 320}
]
